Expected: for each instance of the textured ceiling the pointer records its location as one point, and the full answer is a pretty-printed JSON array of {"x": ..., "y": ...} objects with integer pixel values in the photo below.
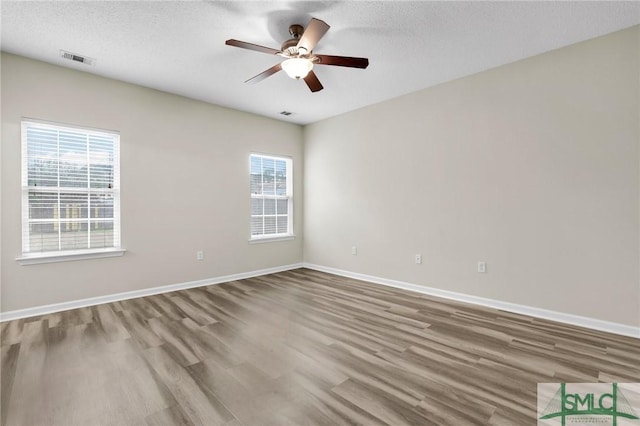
[{"x": 178, "y": 46}]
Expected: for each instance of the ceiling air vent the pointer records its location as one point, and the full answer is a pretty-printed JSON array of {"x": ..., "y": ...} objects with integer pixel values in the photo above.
[
  {"x": 77, "y": 58},
  {"x": 287, "y": 113}
]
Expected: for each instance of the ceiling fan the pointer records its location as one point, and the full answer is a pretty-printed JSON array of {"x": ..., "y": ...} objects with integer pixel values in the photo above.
[{"x": 299, "y": 55}]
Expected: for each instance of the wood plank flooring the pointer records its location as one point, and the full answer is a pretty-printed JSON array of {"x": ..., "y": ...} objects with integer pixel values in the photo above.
[{"x": 295, "y": 348}]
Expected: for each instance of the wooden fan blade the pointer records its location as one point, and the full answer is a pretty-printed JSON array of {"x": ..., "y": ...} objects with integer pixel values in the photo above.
[
  {"x": 312, "y": 34},
  {"x": 312, "y": 81},
  {"x": 251, "y": 46},
  {"x": 342, "y": 61},
  {"x": 264, "y": 74}
]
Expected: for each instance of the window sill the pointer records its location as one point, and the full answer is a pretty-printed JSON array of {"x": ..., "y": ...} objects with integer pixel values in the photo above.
[
  {"x": 271, "y": 239},
  {"x": 36, "y": 258}
]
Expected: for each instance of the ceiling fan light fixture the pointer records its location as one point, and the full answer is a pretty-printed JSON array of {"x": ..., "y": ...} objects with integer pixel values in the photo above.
[
  {"x": 299, "y": 58},
  {"x": 297, "y": 68}
]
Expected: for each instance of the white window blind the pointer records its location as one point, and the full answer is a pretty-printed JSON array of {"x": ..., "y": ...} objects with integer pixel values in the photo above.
[
  {"x": 70, "y": 189},
  {"x": 271, "y": 190}
]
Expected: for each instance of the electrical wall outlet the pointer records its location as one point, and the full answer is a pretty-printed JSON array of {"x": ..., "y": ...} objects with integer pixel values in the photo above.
[
  {"x": 354, "y": 250},
  {"x": 199, "y": 255},
  {"x": 482, "y": 267},
  {"x": 418, "y": 259}
]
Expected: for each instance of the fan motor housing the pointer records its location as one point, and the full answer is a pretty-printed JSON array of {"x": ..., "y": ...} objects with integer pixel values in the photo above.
[{"x": 289, "y": 44}]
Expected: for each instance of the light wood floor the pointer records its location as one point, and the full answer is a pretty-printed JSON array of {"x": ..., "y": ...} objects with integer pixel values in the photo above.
[{"x": 298, "y": 347}]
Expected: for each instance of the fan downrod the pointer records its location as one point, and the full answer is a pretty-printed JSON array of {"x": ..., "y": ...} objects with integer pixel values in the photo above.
[
  {"x": 288, "y": 46},
  {"x": 296, "y": 30}
]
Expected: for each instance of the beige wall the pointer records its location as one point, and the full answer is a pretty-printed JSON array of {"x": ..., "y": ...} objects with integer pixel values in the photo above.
[
  {"x": 184, "y": 184},
  {"x": 532, "y": 167}
]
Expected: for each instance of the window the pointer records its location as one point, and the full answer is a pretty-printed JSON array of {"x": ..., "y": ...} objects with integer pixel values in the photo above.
[
  {"x": 271, "y": 189},
  {"x": 70, "y": 190}
]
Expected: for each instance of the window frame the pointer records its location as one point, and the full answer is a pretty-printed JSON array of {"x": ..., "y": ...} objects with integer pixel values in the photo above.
[
  {"x": 289, "y": 235},
  {"x": 34, "y": 257}
]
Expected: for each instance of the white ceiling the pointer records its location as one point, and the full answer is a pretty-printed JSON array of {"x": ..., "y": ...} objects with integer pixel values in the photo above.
[{"x": 178, "y": 46}]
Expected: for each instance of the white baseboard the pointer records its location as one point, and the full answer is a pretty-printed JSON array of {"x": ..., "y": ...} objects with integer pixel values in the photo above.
[
  {"x": 596, "y": 324},
  {"x": 92, "y": 301}
]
